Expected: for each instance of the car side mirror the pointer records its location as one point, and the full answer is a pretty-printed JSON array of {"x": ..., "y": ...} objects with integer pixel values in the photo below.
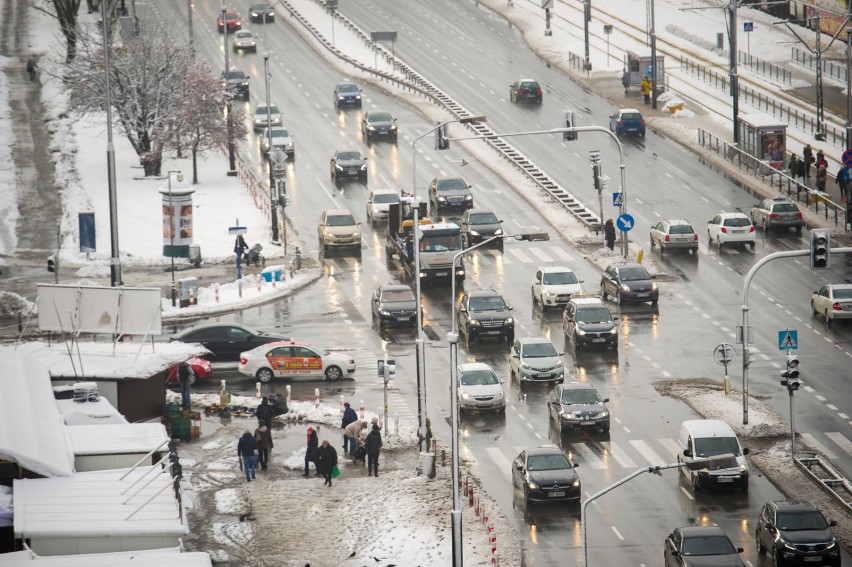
[
  {"x": 768, "y": 526},
  {"x": 745, "y": 450},
  {"x": 832, "y": 523},
  {"x": 499, "y": 221},
  {"x": 710, "y": 221},
  {"x": 816, "y": 292},
  {"x": 739, "y": 550},
  {"x": 462, "y": 309},
  {"x": 519, "y": 467},
  {"x": 615, "y": 317},
  {"x": 510, "y": 308},
  {"x": 675, "y": 553},
  {"x": 605, "y": 400},
  {"x": 581, "y": 281},
  {"x": 575, "y": 465},
  {"x": 687, "y": 453},
  {"x": 560, "y": 354},
  {"x": 502, "y": 380},
  {"x": 514, "y": 355}
]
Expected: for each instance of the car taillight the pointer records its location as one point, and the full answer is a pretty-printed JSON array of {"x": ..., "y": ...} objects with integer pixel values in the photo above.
[
  {"x": 725, "y": 230},
  {"x": 243, "y": 360},
  {"x": 642, "y": 122},
  {"x": 751, "y": 228},
  {"x": 695, "y": 237},
  {"x": 621, "y": 122},
  {"x": 774, "y": 215},
  {"x": 520, "y": 91},
  {"x": 538, "y": 91},
  {"x": 836, "y": 306},
  {"x": 798, "y": 214},
  {"x": 667, "y": 238}
]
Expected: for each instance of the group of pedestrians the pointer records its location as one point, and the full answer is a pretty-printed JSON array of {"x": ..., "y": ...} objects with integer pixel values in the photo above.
[{"x": 254, "y": 449}]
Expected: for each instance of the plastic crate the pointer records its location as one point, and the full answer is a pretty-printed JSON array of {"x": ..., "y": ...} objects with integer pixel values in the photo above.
[{"x": 171, "y": 409}]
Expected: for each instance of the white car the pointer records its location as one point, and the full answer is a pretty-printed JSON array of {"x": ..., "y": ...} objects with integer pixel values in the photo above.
[
  {"x": 244, "y": 40},
  {"x": 337, "y": 227},
  {"x": 288, "y": 359},
  {"x": 262, "y": 119},
  {"x": 730, "y": 228},
  {"x": 479, "y": 388},
  {"x": 281, "y": 138},
  {"x": 553, "y": 286},
  {"x": 833, "y": 301},
  {"x": 535, "y": 359},
  {"x": 379, "y": 202}
]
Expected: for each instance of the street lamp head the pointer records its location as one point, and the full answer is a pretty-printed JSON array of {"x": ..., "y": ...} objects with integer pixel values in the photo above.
[
  {"x": 532, "y": 236},
  {"x": 265, "y": 56},
  {"x": 472, "y": 120}
]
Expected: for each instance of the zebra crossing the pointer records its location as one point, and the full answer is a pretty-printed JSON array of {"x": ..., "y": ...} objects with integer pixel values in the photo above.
[{"x": 551, "y": 254}]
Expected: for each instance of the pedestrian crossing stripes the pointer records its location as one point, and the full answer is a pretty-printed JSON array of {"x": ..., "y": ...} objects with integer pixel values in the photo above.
[{"x": 553, "y": 254}]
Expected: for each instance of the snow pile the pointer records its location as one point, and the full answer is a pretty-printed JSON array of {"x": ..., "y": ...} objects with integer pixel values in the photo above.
[{"x": 12, "y": 304}]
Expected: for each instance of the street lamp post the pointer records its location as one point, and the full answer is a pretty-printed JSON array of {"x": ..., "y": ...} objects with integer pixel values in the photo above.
[
  {"x": 849, "y": 83},
  {"x": 232, "y": 161},
  {"x": 172, "y": 227},
  {"x": 115, "y": 261}
]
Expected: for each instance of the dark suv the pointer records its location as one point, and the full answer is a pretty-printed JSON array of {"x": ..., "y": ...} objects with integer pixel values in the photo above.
[
  {"x": 577, "y": 406},
  {"x": 238, "y": 81},
  {"x": 450, "y": 193},
  {"x": 483, "y": 313},
  {"x": 587, "y": 323},
  {"x": 629, "y": 281},
  {"x": 796, "y": 533},
  {"x": 525, "y": 90}
]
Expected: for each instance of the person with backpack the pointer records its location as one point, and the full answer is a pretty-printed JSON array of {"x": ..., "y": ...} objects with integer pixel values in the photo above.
[
  {"x": 265, "y": 412},
  {"x": 840, "y": 179},
  {"x": 263, "y": 439},
  {"x": 373, "y": 444},
  {"x": 246, "y": 447},
  {"x": 185, "y": 377}
]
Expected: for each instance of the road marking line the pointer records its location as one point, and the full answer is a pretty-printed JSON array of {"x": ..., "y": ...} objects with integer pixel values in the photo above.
[
  {"x": 619, "y": 455},
  {"x": 499, "y": 458},
  {"x": 670, "y": 445},
  {"x": 832, "y": 407},
  {"x": 627, "y": 430},
  {"x": 618, "y": 535},
  {"x": 666, "y": 374},
  {"x": 588, "y": 457},
  {"x": 820, "y": 398},
  {"x": 688, "y": 495},
  {"x": 562, "y": 254},
  {"x": 841, "y": 441},
  {"x": 843, "y": 416},
  {"x": 521, "y": 256},
  {"x": 809, "y": 389},
  {"x": 540, "y": 253},
  {"x": 811, "y": 441},
  {"x": 646, "y": 451},
  {"x": 764, "y": 356}
]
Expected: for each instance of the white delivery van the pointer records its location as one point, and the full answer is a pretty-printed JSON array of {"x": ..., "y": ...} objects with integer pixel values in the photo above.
[{"x": 701, "y": 439}]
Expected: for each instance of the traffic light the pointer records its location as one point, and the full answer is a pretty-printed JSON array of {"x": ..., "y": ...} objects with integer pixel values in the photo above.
[
  {"x": 441, "y": 141},
  {"x": 820, "y": 248},
  {"x": 791, "y": 374},
  {"x": 51, "y": 264},
  {"x": 569, "y": 118}
]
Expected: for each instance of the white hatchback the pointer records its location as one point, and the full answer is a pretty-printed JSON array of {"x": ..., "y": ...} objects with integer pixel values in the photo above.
[
  {"x": 727, "y": 228},
  {"x": 554, "y": 286},
  {"x": 379, "y": 202},
  {"x": 479, "y": 388}
]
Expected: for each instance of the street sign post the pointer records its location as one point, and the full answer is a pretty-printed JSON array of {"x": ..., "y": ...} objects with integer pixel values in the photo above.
[
  {"x": 847, "y": 158},
  {"x": 788, "y": 339},
  {"x": 724, "y": 355},
  {"x": 616, "y": 199},
  {"x": 625, "y": 222},
  {"x": 748, "y": 27}
]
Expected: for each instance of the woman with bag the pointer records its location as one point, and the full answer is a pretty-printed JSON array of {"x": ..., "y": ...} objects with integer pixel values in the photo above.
[
  {"x": 326, "y": 461},
  {"x": 311, "y": 451}
]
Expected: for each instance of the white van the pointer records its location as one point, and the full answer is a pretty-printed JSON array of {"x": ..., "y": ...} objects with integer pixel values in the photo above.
[{"x": 700, "y": 439}]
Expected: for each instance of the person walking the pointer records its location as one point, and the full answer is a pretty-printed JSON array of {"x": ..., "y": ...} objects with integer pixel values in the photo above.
[
  {"x": 821, "y": 177},
  {"x": 373, "y": 445},
  {"x": 808, "y": 155},
  {"x": 646, "y": 90},
  {"x": 326, "y": 460},
  {"x": 793, "y": 165},
  {"x": 349, "y": 416},
  {"x": 801, "y": 171},
  {"x": 820, "y": 160},
  {"x": 245, "y": 452},
  {"x": 185, "y": 377},
  {"x": 311, "y": 452},
  {"x": 32, "y": 66},
  {"x": 263, "y": 438},
  {"x": 625, "y": 81},
  {"x": 609, "y": 234},
  {"x": 840, "y": 179},
  {"x": 265, "y": 412},
  {"x": 352, "y": 433}
]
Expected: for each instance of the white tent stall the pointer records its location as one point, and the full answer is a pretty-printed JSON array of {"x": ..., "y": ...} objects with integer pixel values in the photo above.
[
  {"x": 171, "y": 557},
  {"x": 115, "y": 446}
]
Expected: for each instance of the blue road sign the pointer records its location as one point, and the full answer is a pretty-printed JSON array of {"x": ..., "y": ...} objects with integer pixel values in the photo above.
[
  {"x": 624, "y": 222},
  {"x": 748, "y": 26},
  {"x": 788, "y": 339},
  {"x": 847, "y": 158},
  {"x": 235, "y": 230},
  {"x": 616, "y": 200}
]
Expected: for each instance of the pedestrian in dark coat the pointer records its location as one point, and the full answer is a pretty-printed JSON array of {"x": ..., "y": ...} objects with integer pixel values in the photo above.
[
  {"x": 326, "y": 460},
  {"x": 793, "y": 165},
  {"x": 808, "y": 154},
  {"x": 245, "y": 451},
  {"x": 373, "y": 444},
  {"x": 820, "y": 160},
  {"x": 265, "y": 412},
  {"x": 349, "y": 416},
  {"x": 31, "y": 68},
  {"x": 263, "y": 438},
  {"x": 840, "y": 179},
  {"x": 609, "y": 234},
  {"x": 801, "y": 171},
  {"x": 821, "y": 177},
  {"x": 185, "y": 375},
  {"x": 311, "y": 451},
  {"x": 625, "y": 81}
]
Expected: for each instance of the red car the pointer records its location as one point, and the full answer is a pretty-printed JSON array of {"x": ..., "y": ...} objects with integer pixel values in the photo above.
[
  {"x": 232, "y": 19},
  {"x": 202, "y": 368}
]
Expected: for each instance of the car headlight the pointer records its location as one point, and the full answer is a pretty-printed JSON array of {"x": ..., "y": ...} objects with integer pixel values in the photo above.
[
  {"x": 385, "y": 313},
  {"x": 338, "y": 167},
  {"x": 469, "y": 198},
  {"x": 509, "y": 321},
  {"x": 371, "y": 128},
  {"x": 625, "y": 287},
  {"x": 341, "y": 97},
  {"x": 526, "y": 366},
  {"x": 364, "y": 167},
  {"x": 498, "y": 395},
  {"x": 558, "y": 364},
  {"x": 392, "y": 128},
  {"x": 576, "y": 483},
  {"x": 244, "y": 83},
  {"x": 581, "y": 332},
  {"x": 442, "y": 199},
  {"x": 357, "y": 97},
  {"x": 547, "y": 293},
  {"x": 460, "y": 272},
  {"x": 465, "y": 396},
  {"x": 474, "y": 233},
  {"x": 254, "y": 15},
  {"x": 831, "y": 545},
  {"x": 532, "y": 486},
  {"x": 290, "y": 145},
  {"x": 613, "y": 331},
  {"x": 654, "y": 286},
  {"x": 475, "y": 323},
  {"x": 253, "y": 43},
  {"x": 788, "y": 545},
  {"x": 743, "y": 468},
  {"x": 601, "y": 415},
  {"x": 498, "y": 232}
]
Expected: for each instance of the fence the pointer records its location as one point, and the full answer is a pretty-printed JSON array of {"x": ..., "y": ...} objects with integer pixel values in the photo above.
[
  {"x": 829, "y": 67},
  {"x": 766, "y": 68}
]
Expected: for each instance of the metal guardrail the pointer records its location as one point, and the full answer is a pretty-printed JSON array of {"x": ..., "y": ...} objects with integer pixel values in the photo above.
[
  {"x": 827, "y": 478},
  {"x": 829, "y": 67},
  {"x": 764, "y": 67}
]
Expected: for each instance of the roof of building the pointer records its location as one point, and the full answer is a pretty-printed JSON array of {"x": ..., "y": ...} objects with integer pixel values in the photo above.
[
  {"x": 170, "y": 556},
  {"x": 116, "y": 438}
]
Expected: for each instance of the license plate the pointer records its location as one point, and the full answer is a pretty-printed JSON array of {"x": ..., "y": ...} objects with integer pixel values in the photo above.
[
  {"x": 587, "y": 423},
  {"x": 814, "y": 558},
  {"x": 456, "y": 204},
  {"x": 598, "y": 340},
  {"x": 545, "y": 375},
  {"x": 642, "y": 294},
  {"x": 402, "y": 318},
  {"x": 727, "y": 478},
  {"x": 631, "y": 129},
  {"x": 383, "y": 133},
  {"x": 737, "y": 232},
  {"x": 557, "y": 494},
  {"x": 440, "y": 274},
  {"x": 491, "y": 333}
]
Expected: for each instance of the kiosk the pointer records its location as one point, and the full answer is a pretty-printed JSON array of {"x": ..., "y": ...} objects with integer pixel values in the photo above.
[
  {"x": 639, "y": 67},
  {"x": 763, "y": 137}
]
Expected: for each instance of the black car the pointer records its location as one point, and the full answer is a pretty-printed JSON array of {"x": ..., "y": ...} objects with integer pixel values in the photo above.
[
  {"x": 701, "y": 546},
  {"x": 576, "y": 406},
  {"x": 480, "y": 224},
  {"x": 238, "y": 81},
  {"x": 378, "y": 125},
  {"x": 348, "y": 165},
  {"x": 629, "y": 281},
  {"x": 226, "y": 340},
  {"x": 450, "y": 193},
  {"x": 261, "y": 13},
  {"x": 394, "y": 305},
  {"x": 347, "y": 93},
  {"x": 545, "y": 474},
  {"x": 587, "y": 323},
  {"x": 484, "y": 313},
  {"x": 525, "y": 90},
  {"x": 796, "y": 533}
]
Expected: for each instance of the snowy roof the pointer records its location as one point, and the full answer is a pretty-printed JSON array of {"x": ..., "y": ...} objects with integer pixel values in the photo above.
[
  {"x": 95, "y": 504},
  {"x": 32, "y": 433},
  {"x": 117, "y": 439},
  {"x": 147, "y": 558},
  {"x": 97, "y": 360},
  {"x": 88, "y": 412}
]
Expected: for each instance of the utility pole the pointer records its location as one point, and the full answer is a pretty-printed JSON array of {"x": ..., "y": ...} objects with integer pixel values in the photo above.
[
  {"x": 849, "y": 82},
  {"x": 587, "y": 17},
  {"x": 232, "y": 161},
  {"x": 735, "y": 80},
  {"x": 115, "y": 261},
  {"x": 653, "y": 37}
]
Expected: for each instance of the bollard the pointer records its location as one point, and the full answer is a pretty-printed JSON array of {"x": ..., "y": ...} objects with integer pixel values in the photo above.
[
  {"x": 485, "y": 520},
  {"x": 443, "y": 457},
  {"x": 396, "y": 424},
  {"x": 341, "y": 405},
  {"x": 257, "y": 390},
  {"x": 240, "y": 287},
  {"x": 288, "y": 394},
  {"x": 191, "y": 297},
  {"x": 316, "y": 393},
  {"x": 470, "y": 496},
  {"x": 476, "y": 509},
  {"x": 298, "y": 259},
  {"x": 361, "y": 410},
  {"x": 258, "y": 284},
  {"x": 216, "y": 292}
]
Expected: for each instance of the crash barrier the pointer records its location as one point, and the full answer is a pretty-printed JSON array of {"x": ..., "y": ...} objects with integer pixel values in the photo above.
[
  {"x": 777, "y": 179},
  {"x": 829, "y": 67},
  {"x": 826, "y": 477},
  {"x": 406, "y": 78},
  {"x": 764, "y": 67},
  {"x": 470, "y": 490}
]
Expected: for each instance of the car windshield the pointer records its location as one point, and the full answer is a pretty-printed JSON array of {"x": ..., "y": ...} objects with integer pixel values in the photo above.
[
  {"x": 398, "y": 295},
  {"x": 243, "y": 34},
  {"x": 785, "y": 208},
  {"x": 681, "y": 229},
  {"x": 280, "y": 133},
  {"x": 494, "y": 303},
  {"x": 708, "y": 545},
  {"x": 634, "y": 274},
  {"x": 386, "y": 198},
  {"x": 380, "y": 117},
  {"x": 547, "y": 462},
  {"x": 451, "y": 185},
  {"x": 538, "y": 350},
  {"x": 340, "y": 220},
  {"x": 445, "y": 243},
  {"x": 580, "y": 397},
  {"x": 711, "y": 446},
  {"x": 631, "y": 116},
  {"x": 262, "y": 109},
  {"x": 231, "y": 16},
  {"x": 483, "y": 218},
  {"x": 593, "y": 315},
  {"x": 559, "y": 278},
  {"x": 349, "y": 156},
  {"x": 347, "y": 88},
  {"x": 842, "y": 293},
  {"x": 805, "y": 520},
  {"x": 529, "y": 85},
  {"x": 235, "y": 75},
  {"x": 478, "y": 378},
  {"x": 737, "y": 221}
]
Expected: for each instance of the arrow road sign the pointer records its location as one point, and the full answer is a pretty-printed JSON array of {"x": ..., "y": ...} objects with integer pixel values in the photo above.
[
  {"x": 616, "y": 199},
  {"x": 624, "y": 222},
  {"x": 788, "y": 339}
]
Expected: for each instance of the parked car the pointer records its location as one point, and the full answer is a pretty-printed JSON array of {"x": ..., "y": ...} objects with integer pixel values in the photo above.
[
  {"x": 347, "y": 164},
  {"x": 261, "y": 13},
  {"x": 553, "y": 286},
  {"x": 796, "y": 533},
  {"x": 450, "y": 193},
  {"x": 629, "y": 281},
  {"x": 231, "y": 19},
  {"x": 337, "y": 227},
  {"x": 730, "y": 228},
  {"x": 265, "y": 117},
  {"x": 484, "y": 313},
  {"x": 201, "y": 370},
  {"x": 280, "y": 138},
  {"x": 701, "y": 546},
  {"x": 480, "y": 224},
  {"x": 226, "y": 340},
  {"x": 238, "y": 81},
  {"x": 479, "y": 388},
  {"x": 833, "y": 301},
  {"x": 525, "y": 90},
  {"x": 576, "y": 406},
  {"x": 244, "y": 40},
  {"x": 777, "y": 212},
  {"x": 535, "y": 359},
  {"x": 379, "y": 202},
  {"x": 394, "y": 304},
  {"x": 288, "y": 359},
  {"x": 587, "y": 323},
  {"x": 545, "y": 474},
  {"x": 676, "y": 234},
  {"x": 347, "y": 93},
  {"x": 627, "y": 121},
  {"x": 378, "y": 125}
]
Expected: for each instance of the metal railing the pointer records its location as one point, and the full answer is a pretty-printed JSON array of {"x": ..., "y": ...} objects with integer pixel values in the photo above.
[
  {"x": 764, "y": 67},
  {"x": 829, "y": 67},
  {"x": 826, "y": 477}
]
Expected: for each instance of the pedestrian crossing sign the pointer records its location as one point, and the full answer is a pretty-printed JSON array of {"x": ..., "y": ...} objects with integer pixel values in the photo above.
[
  {"x": 616, "y": 200},
  {"x": 788, "y": 340}
]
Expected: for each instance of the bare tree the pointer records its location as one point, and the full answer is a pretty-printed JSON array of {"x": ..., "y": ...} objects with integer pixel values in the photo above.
[{"x": 65, "y": 12}]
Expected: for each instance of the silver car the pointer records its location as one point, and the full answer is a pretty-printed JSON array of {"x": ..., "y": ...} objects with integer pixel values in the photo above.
[
  {"x": 281, "y": 138},
  {"x": 479, "y": 388},
  {"x": 535, "y": 359},
  {"x": 244, "y": 40},
  {"x": 264, "y": 118},
  {"x": 379, "y": 202}
]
